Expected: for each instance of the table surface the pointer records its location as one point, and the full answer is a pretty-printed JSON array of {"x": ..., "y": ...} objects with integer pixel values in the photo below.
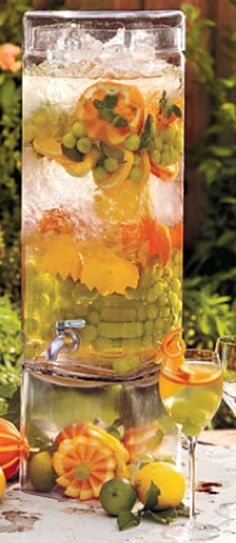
[{"x": 25, "y": 518}]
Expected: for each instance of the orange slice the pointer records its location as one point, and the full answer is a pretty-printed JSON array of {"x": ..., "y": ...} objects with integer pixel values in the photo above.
[
  {"x": 48, "y": 147},
  {"x": 116, "y": 179},
  {"x": 158, "y": 239},
  {"x": 61, "y": 256},
  {"x": 108, "y": 272},
  {"x": 77, "y": 169},
  {"x": 130, "y": 106},
  {"x": 176, "y": 235},
  {"x": 166, "y": 173}
]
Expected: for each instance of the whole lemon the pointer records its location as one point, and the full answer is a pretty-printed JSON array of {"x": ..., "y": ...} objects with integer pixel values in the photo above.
[
  {"x": 2, "y": 482},
  {"x": 170, "y": 482}
]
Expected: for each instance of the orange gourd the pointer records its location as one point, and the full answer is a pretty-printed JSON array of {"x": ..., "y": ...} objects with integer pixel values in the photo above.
[
  {"x": 86, "y": 458},
  {"x": 12, "y": 445}
]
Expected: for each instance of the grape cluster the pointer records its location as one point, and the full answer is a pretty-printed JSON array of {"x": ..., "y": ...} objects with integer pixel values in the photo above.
[{"x": 166, "y": 144}]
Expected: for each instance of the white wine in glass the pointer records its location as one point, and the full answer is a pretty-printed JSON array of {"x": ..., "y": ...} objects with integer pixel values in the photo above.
[{"x": 226, "y": 348}]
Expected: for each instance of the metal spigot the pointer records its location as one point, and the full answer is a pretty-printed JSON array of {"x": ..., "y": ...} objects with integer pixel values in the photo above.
[{"x": 65, "y": 329}]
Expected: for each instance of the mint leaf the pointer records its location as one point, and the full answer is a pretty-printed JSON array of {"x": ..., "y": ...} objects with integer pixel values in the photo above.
[
  {"x": 110, "y": 100},
  {"x": 164, "y": 517},
  {"x": 126, "y": 520},
  {"x": 119, "y": 121},
  {"x": 151, "y": 498},
  {"x": 98, "y": 104},
  {"x": 177, "y": 111},
  {"x": 146, "y": 136}
]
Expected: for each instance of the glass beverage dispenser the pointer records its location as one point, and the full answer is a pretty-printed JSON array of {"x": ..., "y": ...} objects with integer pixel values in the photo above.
[{"x": 102, "y": 240}]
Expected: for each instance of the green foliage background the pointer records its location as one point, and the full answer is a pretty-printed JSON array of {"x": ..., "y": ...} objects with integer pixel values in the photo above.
[{"x": 210, "y": 274}]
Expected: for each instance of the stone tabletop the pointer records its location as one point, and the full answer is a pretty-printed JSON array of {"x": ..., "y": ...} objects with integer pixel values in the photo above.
[{"x": 25, "y": 518}]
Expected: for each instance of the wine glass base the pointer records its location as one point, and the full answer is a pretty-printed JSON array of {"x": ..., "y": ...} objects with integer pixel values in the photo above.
[
  {"x": 228, "y": 510},
  {"x": 191, "y": 531}
]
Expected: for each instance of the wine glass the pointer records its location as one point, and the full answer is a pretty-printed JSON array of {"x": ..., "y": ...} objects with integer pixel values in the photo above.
[
  {"x": 191, "y": 390},
  {"x": 226, "y": 348}
]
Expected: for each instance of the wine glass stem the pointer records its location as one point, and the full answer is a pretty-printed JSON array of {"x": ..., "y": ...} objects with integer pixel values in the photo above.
[
  {"x": 192, "y": 442},
  {"x": 179, "y": 447}
]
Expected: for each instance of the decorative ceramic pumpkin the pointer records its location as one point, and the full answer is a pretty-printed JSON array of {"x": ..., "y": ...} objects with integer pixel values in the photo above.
[
  {"x": 86, "y": 458},
  {"x": 11, "y": 446}
]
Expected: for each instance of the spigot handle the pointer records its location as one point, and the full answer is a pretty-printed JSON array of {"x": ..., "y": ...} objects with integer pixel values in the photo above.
[
  {"x": 79, "y": 324},
  {"x": 65, "y": 329}
]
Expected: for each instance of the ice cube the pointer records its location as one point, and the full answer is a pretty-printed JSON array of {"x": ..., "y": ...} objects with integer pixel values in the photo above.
[{"x": 165, "y": 201}]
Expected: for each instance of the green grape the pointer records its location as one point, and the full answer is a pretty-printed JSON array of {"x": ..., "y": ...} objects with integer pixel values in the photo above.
[
  {"x": 148, "y": 327},
  {"x": 179, "y": 307},
  {"x": 79, "y": 129},
  {"x": 169, "y": 134},
  {"x": 89, "y": 333},
  {"x": 179, "y": 144},
  {"x": 133, "y": 361},
  {"x": 157, "y": 272},
  {"x": 110, "y": 164},
  {"x": 158, "y": 143},
  {"x": 206, "y": 399},
  {"x": 165, "y": 158},
  {"x": 178, "y": 258},
  {"x": 174, "y": 155},
  {"x": 173, "y": 299},
  {"x": 147, "y": 341},
  {"x": 137, "y": 160},
  {"x": 69, "y": 140},
  {"x": 136, "y": 174},
  {"x": 165, "y": 312},
  {"x": 163, "y": 300},
  {"x": 120, "y": 365},
  {"x": 151, "y": 295},
  {"x": 120, "y": 330},
  {"x": 159, "y": 288},
  {"x": 180, "y": 411},
  {"x": 113, "y": 152},
  {"x": 84, "y": 145},
  {"x": 152, "y": 311},
  {"x": 156, "y": 157},
  {"x": 142, "y": 313},
  {"x": 118, "y": 314},
  {"x": 132, "y": 142},
  {"x": 93, "y": 318},
  {"x": 99, "y": 174},
  {"x": 166, "y": 148},
  {"x": 102, "y": 344},
  {"x": 82, "y": 293},
  {"x": 82, "y": 310},
  {"x": 132, "y": 294},
  {"x": 146, "y": 278},
  {"x": 190, "y": 429},
  {"x": 167, "y": 273},
  {"x": 199, "y": 416},
  {"x": 176, "y": 285},
  {"x": 131, "y": 344}
]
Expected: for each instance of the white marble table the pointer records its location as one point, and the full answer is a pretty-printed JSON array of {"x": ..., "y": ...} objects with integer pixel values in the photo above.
[{"x": 28, "y": 519}]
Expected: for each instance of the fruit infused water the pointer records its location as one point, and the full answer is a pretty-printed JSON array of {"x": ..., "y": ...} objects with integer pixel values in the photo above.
[
  {"x": 192, "y": 394},
  {"x": 102, "y": 184}
]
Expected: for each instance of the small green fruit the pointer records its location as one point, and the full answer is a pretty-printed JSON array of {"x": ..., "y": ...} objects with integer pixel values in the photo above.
[
  {"x": 41, "y": 474},
  {"x": 117, "y": 495}
]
